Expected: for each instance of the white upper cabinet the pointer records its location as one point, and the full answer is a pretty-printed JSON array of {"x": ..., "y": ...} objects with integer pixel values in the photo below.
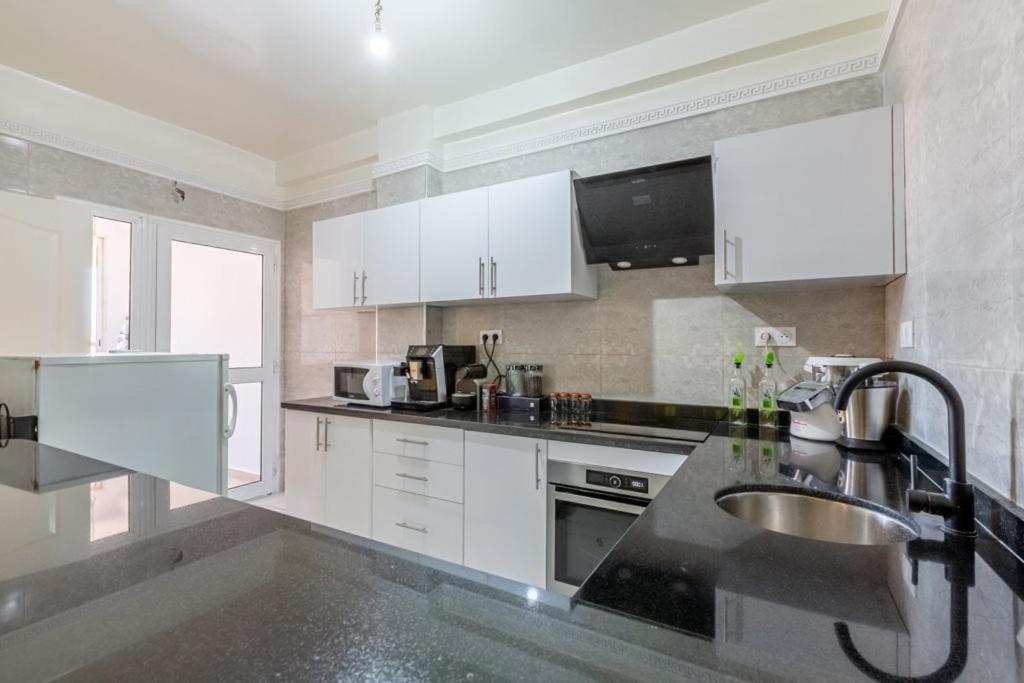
[
  {"x": 809, "y": 202},
  {"x": 506, "y": 506},
  {"x": 535, "y": 248},
  {"x": 510, "y": 241},
  {"x": 337, "y": 261},
  {"x": 391, "y": 256},
  {"x": 453, "y": 246}
]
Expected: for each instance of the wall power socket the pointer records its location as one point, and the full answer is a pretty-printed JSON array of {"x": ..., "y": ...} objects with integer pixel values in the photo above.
[
  {"x": 774, "y": 336},
  {"x": 493, "y": 335}
]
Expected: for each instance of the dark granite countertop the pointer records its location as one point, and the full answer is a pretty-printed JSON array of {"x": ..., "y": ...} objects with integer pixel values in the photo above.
[
  {"x": 811, "y": 609},
  {"x": 218, "y": 589},
  {"x": 522, "y": 424}
]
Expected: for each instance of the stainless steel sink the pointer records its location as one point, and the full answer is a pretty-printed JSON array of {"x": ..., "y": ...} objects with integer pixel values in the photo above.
[{"x": 818, "y": 517}]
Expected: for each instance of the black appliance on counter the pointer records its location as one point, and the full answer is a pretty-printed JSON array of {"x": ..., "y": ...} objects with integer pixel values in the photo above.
[{"x": 431, "y": 369}]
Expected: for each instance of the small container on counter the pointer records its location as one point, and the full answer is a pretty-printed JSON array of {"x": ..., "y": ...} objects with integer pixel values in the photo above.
[
  {"x": 515, "y": 379},
  {"x": 575, "y": 408},
  {"x": 534, "y": 380},
  {"x": 586, "y": 400},
  {"x": 556, "y": 408}
]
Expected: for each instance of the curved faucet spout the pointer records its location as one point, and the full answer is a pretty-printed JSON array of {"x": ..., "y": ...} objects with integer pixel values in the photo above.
[{"x": 956, "y": 505}]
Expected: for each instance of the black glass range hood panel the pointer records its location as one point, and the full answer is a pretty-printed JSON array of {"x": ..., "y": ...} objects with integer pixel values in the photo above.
[{"x": 648, "y": 216}]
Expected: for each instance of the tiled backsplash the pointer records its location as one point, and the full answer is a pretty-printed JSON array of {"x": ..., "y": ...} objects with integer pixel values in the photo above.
[{"x": 958, "y": 70}]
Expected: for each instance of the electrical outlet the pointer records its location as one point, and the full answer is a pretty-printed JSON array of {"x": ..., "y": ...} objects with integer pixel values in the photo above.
[
  {"x": 774, "y": 336},
  {"x": 907, "y": 334},
  {"x": 495, "y": 335}
]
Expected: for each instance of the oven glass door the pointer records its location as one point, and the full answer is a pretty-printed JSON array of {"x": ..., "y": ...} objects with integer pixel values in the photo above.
[
  {"x": 581, "y": 531},
  {"x": 348, "y": 383}
]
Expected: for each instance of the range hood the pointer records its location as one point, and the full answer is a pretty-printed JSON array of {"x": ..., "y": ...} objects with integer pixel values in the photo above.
[{"x": 649, "y": 217}]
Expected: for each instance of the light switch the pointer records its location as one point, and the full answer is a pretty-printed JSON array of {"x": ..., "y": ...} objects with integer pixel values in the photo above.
[{"x": 907, "y": 334}]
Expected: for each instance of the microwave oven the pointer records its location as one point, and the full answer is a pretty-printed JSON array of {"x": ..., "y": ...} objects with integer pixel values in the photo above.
[{"x": 369, "y": 384}]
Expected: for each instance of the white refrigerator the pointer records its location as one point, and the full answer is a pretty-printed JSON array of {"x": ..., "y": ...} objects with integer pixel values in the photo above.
[{"x": 168, "y": 415}]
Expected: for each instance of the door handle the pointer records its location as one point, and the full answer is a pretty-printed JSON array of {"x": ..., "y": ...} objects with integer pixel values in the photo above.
[
  {"x": 327, "y": 421},
  {"x": 229, "y": 390},
  {"x": 481, "y": 276},
  {"x": 364, "y": 287},
  {"x": 725, "y": 254},
  {"x": 412, "y": 527},
  {"x": 494, "y": 277},
  {"x": 402, "y": 439},
  {"x": 355, "y": 286},
  {"x": 406, "y": 475},
  {"x": 318, "y": 433},
  {"x": 536, "y": 465}
]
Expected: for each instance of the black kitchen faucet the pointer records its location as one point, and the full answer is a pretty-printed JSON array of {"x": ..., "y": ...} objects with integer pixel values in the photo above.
[{"x": 956, "y": 505}]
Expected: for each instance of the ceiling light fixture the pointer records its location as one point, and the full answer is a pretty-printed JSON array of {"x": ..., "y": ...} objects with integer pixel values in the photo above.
[{"x": 379, "y": 46}]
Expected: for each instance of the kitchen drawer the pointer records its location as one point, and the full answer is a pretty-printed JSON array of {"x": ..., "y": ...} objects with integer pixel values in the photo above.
[
  {"x": 440, "y": 444},
  {"x": 425, "y": 477},
  {"x": 424, "y": 525}
]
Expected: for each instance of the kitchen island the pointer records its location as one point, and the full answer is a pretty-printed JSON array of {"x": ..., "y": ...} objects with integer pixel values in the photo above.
[{"x": 219, "y": 589}]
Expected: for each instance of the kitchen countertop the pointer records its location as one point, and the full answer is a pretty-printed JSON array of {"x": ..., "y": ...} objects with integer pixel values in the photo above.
[
  {"x": 512, "y": 424},
  {"x": 809, "y": 609},
  {"x": 220, "y": 589}
]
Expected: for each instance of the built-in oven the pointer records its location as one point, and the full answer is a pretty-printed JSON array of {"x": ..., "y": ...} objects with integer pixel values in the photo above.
[{"x": 589, "y": 509}]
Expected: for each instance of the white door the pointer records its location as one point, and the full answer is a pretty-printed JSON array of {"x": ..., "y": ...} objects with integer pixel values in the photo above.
[
  {"x": 46, "y": 277},
  {"x": 347, "y": 478},
  {"x": 219, "y": 292},
  {"x": 337, "y": 261},
  {"x": 506, "y": 506},
  {"x": 453, "y": 246},
  {"x": 391, "y": 255},
  {"x": 530, "y": 233},
  {"x": 304, "y": 467},
  {"x": 808, "y": 201}
]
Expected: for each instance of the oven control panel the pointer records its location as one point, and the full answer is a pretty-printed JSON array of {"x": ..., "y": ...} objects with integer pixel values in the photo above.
[{"x": 623, "y": 482}]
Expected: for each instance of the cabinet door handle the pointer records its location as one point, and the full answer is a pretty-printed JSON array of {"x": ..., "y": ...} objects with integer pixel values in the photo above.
[
  {"x": 494, "y": 277},
  {"x": 412, "y": 527},
  {"x": 725, "y": 254},
  {"x": 327, "y": 421},
  {"x": 406, "y": 475},
  {"x": 481, "y": 276},
  {"x": 318, "y": 434},
  {"x": 364, "y": 287},
  {"x": 536, "y": 465},
  {"x": 402, "y": 439},
  {"x": 355, "y": 286}
]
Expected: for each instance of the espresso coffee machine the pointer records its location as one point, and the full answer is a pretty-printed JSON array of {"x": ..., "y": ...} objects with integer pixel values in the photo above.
[{"x": 430, "y": 370}]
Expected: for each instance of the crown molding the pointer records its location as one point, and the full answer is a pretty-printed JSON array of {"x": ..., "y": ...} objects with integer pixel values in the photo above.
[
  {"x": 328, "y": 194},
  {"x": 889, "y": 31},
  {"x": 851, "y": 68},
  {"x": 32, "y": 134},
  {"x": 407, "y": 162}
]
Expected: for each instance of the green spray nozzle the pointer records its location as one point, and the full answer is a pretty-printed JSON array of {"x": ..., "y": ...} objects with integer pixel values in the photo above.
[
  {"x": 769, "y": 359},
  {"x": 737, "y": 360}
]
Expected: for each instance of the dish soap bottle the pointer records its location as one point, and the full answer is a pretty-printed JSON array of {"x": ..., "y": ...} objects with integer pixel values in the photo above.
[
  {"x": 767, "y": 390},
  {"x": 737, "y": 397}
]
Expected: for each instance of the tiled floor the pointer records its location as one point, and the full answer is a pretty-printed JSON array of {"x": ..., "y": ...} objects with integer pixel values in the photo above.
[
  {"x": 275, "y": 501},
  {"x": 241, "y": 478}
]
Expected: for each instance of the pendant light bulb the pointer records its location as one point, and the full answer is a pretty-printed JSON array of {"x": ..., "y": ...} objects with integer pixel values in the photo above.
[{"x": 379, "y": 46}]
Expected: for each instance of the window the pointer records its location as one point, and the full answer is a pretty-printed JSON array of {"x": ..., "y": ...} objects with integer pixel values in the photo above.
[{"x": 111, "y": 284}]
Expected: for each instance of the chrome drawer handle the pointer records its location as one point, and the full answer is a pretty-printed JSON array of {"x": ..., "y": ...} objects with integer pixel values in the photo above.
[
  {"x": 406, "y": 475},
  {"x": 412, "y": 441},
  {"x": 412, "y": 527}
]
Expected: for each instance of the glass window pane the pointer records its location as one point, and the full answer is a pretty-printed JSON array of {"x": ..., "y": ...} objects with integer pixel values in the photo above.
[
  {"x": 111, "y": 284},
  {"x": 245, "y": 445},
  {"x": 108, "y": 508},
  {"x": 183, "y": 496},
  {"x": 217, "y": 302}
]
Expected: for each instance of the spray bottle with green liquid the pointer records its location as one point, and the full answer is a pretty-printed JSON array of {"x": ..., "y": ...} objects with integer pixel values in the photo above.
[{"x": 737, "y": 395}]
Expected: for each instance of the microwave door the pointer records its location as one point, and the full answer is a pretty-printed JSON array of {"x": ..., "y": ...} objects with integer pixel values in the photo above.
[{"x": 349, "y": 383}]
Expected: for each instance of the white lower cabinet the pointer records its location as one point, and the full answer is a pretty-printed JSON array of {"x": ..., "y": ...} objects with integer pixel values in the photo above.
[
  {"x": 424, "y": 525},
  {"x": 506, "y": 506},
  {"x": 328, "y": 470},
  {"x": 348, "y": 453},
  {"x": 304, "y": 465},
  {"x": 413, "y": 475}
]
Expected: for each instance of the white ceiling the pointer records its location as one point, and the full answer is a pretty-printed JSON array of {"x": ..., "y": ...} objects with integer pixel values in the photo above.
[{"x": 278, "y": 76}]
